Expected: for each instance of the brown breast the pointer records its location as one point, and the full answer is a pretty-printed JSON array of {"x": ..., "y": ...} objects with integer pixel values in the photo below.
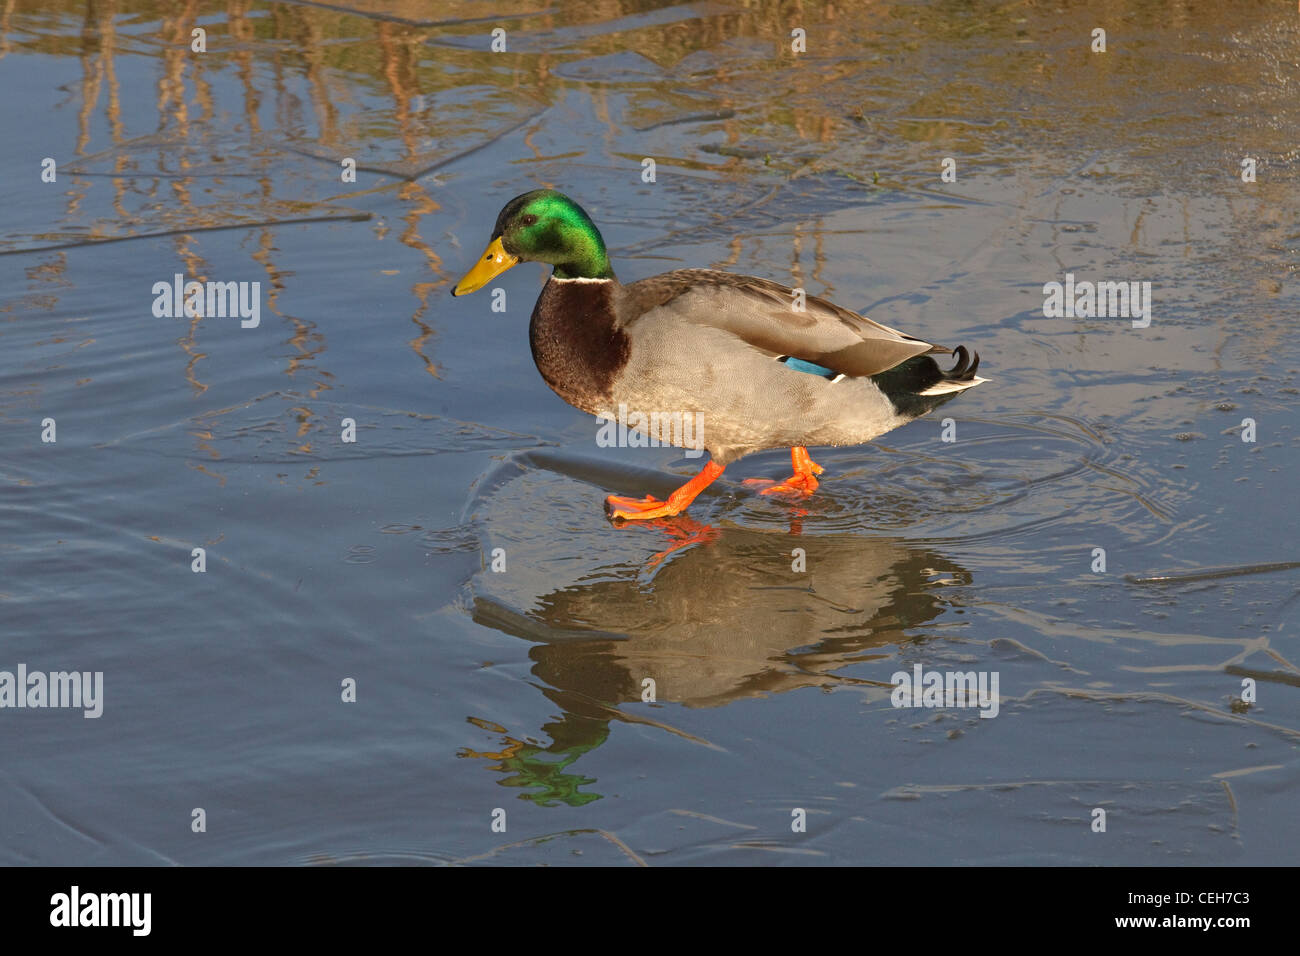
[{"x": 578, "y": 343}]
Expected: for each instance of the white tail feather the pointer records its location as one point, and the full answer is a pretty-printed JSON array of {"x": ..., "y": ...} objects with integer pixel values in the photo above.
[{"x": 943, "y": 388}]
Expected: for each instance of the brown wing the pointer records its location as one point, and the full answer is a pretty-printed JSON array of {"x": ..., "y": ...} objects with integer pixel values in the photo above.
[{"x": 761, "y": 313}]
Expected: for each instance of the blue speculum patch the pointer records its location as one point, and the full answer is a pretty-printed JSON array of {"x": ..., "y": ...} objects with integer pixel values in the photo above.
[{"x": 809, "y": 367}]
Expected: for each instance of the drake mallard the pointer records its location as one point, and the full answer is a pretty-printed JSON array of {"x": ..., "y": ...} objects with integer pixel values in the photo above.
[{"x": 750, "y": 363}]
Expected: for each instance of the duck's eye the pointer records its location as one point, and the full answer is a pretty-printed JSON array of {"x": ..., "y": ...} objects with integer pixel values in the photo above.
[{"x": 528, "y": 220}]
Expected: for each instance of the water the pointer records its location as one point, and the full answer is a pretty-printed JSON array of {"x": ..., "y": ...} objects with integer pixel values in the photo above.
[{"x": 523, "y": 690}]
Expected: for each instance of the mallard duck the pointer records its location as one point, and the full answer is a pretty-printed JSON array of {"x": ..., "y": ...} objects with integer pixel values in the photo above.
[{"x": 749, "y": 363}]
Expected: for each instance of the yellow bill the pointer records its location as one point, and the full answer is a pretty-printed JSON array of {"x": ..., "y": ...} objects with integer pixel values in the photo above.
[{"x": 491, "y": 264}]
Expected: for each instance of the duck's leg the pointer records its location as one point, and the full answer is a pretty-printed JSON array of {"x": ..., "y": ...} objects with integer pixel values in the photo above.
[
  {"x": 803, "y": 482},
  {"x": 639, "y": 509}
]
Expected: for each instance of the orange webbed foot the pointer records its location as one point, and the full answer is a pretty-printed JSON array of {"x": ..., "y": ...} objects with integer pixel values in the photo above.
[
  {"x": 796, "y": 486},
  {"x": 799, "y": 485},
  {"x": 618, "y": 508}
]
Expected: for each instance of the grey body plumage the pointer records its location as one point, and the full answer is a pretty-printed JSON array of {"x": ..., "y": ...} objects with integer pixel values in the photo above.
[{"x": 707, "y": 343}]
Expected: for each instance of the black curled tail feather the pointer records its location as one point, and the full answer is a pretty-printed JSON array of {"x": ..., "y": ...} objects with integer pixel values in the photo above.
[
  {"x": 964, "y": 370},
  {"x": 904, "y": 383}
]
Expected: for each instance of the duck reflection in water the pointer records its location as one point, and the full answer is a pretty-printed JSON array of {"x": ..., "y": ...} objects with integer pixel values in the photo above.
[{"x": 719, "y": 614}]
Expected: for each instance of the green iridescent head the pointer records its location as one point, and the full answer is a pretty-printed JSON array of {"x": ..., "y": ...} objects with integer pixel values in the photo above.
[{"x": 541, "y": 226}]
